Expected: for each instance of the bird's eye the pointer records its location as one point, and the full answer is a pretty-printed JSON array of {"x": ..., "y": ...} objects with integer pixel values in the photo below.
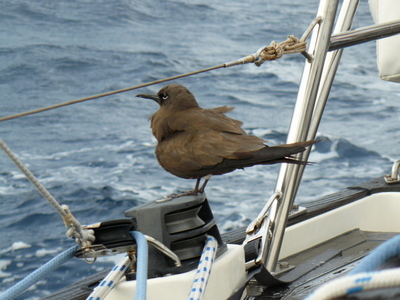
[{"x": 164, "y": 96}]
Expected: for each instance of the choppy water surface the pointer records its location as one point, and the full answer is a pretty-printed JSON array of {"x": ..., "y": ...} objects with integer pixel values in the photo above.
[{"x": 97, "y": 157}]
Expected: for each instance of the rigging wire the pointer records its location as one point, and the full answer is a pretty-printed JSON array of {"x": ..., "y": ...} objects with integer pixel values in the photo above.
[
  {"x": 35, "y": 111},
  {"x": 271, "y": 52}
]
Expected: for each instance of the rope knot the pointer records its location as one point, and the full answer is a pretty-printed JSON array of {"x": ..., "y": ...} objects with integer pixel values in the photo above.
[
  {"x": 84, "y": 237},
  {"x": 277, "y": 50},
  {"x": 272, "y": 52}
]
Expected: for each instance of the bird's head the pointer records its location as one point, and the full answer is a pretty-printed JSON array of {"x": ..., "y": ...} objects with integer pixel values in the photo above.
[{"x": 173, "y": 96}]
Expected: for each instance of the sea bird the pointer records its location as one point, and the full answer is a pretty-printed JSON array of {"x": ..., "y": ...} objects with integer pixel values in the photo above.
[{"x": 196, "y": 143}]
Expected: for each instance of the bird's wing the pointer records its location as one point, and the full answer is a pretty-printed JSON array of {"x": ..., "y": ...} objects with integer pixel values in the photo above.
[
  {"x": 186, "y": 151},
  {"x": 199, "y": 119}
]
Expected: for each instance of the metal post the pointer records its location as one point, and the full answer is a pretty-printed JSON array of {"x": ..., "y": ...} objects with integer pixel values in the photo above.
[
  {"x": 301, "y": 120},
  {"x": 345, "y": 19},
  {"x": 365, "y": 34}
]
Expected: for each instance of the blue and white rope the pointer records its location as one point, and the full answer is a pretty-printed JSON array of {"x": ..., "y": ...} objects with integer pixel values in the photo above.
[
  {"x": 363, "y": 276},
  {"x": 203, "y": 269},
  {"x": 356, "y": 283},
  {"x": 381, "y": 254},
  {"x": 108, "y": 283}
]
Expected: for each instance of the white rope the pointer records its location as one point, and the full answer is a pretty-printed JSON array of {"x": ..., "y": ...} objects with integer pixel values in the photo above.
[
  {"x": 83, "y": 236},
  {"x": 108, "y": 283},
  {"x": 203, "y": 269},
  {"x": 356, "y": 283}
]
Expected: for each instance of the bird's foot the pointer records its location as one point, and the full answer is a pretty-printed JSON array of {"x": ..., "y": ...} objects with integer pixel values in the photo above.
[
  {"x": 174, "y": 196},
  {"x": 187, "y": 193}
]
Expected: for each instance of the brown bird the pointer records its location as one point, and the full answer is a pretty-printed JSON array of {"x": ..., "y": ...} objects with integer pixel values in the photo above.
[{"x": 195, "y": 142}]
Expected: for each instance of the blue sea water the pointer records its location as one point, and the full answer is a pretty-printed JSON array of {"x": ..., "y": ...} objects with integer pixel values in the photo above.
[{"x": 98, "y": 157}]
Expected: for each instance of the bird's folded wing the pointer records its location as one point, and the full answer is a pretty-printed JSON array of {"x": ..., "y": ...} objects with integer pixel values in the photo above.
[
  {"x": 205, "y": 149},
  {"x": 200, "y": 119}
]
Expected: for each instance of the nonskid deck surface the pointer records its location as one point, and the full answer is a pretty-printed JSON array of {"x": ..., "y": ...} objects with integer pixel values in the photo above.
[
  {"x": 325, "y": 262},
  {"x": 335, "y": 257}
]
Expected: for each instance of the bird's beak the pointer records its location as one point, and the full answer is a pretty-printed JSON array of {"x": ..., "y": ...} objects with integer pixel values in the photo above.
[{"x": 149, "y": 96}]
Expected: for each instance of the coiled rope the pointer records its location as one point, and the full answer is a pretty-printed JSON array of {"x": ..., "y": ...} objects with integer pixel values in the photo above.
[
  {"x": 380, "y": 255},
  {"x": 363, "y": 276},
  {"x": 356, "y": 283},
  {"x": 38, "y": 274}
]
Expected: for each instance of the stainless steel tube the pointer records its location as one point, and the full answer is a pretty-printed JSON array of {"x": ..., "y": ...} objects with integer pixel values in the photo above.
[{"x": 301, "y": 120}]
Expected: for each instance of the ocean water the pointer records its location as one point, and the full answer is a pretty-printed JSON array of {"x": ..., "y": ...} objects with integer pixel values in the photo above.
[{"x": 98, "y": 157}]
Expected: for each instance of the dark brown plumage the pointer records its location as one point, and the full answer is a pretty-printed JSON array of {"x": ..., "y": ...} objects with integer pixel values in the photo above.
[{"x": 196, "y": 143}]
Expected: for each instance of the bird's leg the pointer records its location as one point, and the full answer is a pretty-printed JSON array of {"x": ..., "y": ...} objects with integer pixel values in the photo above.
[
  {"x": 195, "y": 191},
  {"x": 196, "y": 187},
  {"x": 206, "y": 179}
]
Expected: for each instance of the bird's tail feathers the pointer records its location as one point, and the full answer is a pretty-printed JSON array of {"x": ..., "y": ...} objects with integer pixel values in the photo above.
[
  {"x": 283, "y": 153},
  {"x": 297, "y": 144},
  {"x": 266, "y": 156}
]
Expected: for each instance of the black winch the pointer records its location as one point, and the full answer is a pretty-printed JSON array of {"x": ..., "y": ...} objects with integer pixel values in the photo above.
[{"x": 180, "y": 223}]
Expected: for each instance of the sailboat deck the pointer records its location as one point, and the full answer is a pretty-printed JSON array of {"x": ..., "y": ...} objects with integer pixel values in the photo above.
[
  {"x": 313, "y": 266},
  {"x": 325, "y": 262}
]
